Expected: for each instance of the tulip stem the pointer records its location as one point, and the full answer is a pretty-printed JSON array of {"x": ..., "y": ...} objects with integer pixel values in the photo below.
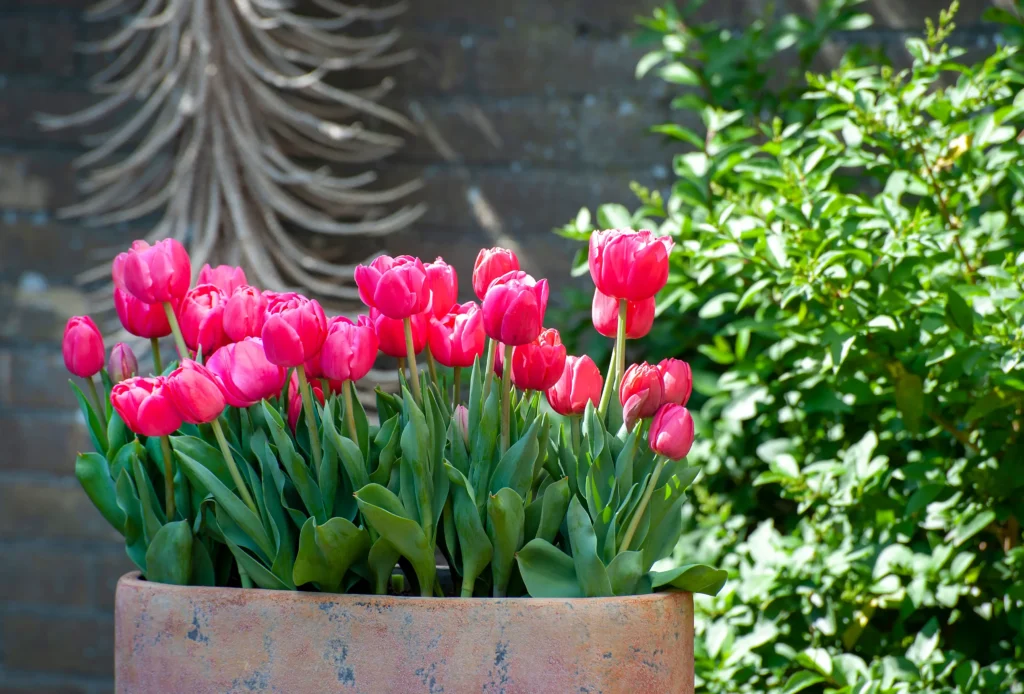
[
  {"x": 236, "y": 475},
  {"x": 158, "y": 363},
  {"x": 307, "y": 405},
  {"x": 410, "y": 352},
  {"x": 506, "y": 375},
  {"x": 609, "y": 381},
  {"x": 634, "y": 523},
  {"x": 457, "y": 386},
  {"x": 492, "y": 346},
  {"x": 350, "y": 415},
  {"x": 620, "y": 341},
  {"x": 101, "y": 412},
  {"x": 574, "y": 427},
  {"x": 179, "y": 339},
  {"x": 165, "y": 449},
  {"x": 433, "y": 369}
]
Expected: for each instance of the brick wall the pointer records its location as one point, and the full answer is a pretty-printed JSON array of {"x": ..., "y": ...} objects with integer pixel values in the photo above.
[{"x": 528, "y": 109}]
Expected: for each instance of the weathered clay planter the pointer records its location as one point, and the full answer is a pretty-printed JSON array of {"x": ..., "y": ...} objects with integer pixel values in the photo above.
[{"x": 173, "y": 639}]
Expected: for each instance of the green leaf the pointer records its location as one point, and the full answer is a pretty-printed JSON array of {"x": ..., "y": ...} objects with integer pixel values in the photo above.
[
  {"x": 959, "y": 313},
  {"x": 591, "y": 572},
  {"x": 964, "y": 531},
  {"x": 515, "y": 469},
  {"x": 169, "y": 557},
  {"x": 347, "y": 451},
  {"x": 93, "y": 474},
  {"x": 910, "y": 399},
  {"x": 801, "y": 681},
  {"x": 385, "y": 514},
  {"x": 97, "y": 429},
  {"x": 474, "y": 544},
  {"x": 152, "y": 514},
  {"x": 554, "y": 504},
  {"x": 206, "y": 455},
  {"x": 387, "y": 440},
  {"x": 505, "y": 526},
  {"x": 294, "y": 465},
  {"x": 676, "y": 73},
  {"x": 624, "y": 572},
  {"x": 134, "y": 535},
  {"x": 327, "y": 551},
  {"x": 547, "y": 571},
  {"x": 381, "y": 562},
  {"x": 693, "y": 578}
]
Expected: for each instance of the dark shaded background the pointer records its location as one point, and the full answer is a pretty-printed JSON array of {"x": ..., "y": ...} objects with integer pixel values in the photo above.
[{"x": 529, "y": 110}]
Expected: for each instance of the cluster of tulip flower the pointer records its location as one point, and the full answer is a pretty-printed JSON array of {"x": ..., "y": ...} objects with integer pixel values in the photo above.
[{"x": 249, "y": 360}]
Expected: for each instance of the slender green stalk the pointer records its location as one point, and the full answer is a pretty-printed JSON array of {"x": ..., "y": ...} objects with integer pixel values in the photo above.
[
  {"x": 401, "y": 368},
  {"x": 179, "y": 339},
  {"x": 350, "y": 415},
  {"x": 634, "y": 523},
  {"x": 307, "y": 405},
  {"x": 574, "y": 427},
  {"x": 467, "y": 587},
  {"x": 410, "y": 352},
  {"x": 101, "y": 412},
  {"x": 506, "y": 377},
  {"x": 609, "y": 381},
  {"x": 620, "y": 342},
  {"x": 158, "y": 363},
  {"x": 236, "y": 475},
  {"x": 165, "y": 448},
  {"x": 492, "y": 346},
  {"x": 432, "y": 368},
  {"x": 246, "y": 581},
  {"x": 457, "y": 386},
  {"x": 284, "y": 392}
]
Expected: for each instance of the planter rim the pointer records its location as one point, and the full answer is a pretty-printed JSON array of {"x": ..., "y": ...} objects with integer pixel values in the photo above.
[{"x": 134, "y": 579}]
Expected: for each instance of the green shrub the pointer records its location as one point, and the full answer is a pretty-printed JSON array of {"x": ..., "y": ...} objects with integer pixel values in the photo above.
[{"x": 847, "y": 285}]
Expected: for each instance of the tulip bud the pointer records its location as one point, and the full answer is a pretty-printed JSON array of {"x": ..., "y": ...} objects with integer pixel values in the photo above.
[
  {"x": 462, "y": 422},
  {"x": 227, "y": 278},
  {"x": 444, "y": 287},
  {"x": 293, "y": 330},
  {"x": 514, "y": 308},
  {"x": 295, "y": 399},
  {"x": 627, "y": 264},
  {"x": 349, "y": 350},
  {"x": 122, "y": 363},
  {"x": 391, "y": 333},
  {"x": 145, "y": 406},
  {"x": 579, "y": 384},
  {"x": 677, "y": 378},
  {"x": 605, "y": 314},
  {"x": 201, "y": 317},
  {"x": 244, "y": 313},
  {"x": 671, "y": 432},
  {"x": 492, "y": 263},
  {"x": 245, "y": 374},
  {"x": 139, "y": 318},
  {"x": 640, "y": 393},
  {"x": 539, "y": 364},
  {"x": 458, "y": 337},
  {"x": 195, "y": 392},
  {"x": 82, "y": 347},
  {"x": 158, "y": 273},
  {"x": 397, "y": 287}
]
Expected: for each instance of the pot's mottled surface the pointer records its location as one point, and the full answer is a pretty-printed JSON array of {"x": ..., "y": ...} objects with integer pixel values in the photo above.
[{"x": 193, "y": 640}]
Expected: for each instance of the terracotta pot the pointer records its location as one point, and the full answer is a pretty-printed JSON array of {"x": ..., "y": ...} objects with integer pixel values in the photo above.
[{"x": 174, "y": 639}]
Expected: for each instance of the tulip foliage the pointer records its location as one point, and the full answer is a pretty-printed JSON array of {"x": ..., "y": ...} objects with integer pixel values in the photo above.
[{"x": 248, "y": 461}]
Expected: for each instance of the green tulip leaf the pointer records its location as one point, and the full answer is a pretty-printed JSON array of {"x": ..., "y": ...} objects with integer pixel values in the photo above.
[
  {"x": 515, "y": 469},
  {"x": 169, "y": 557},
  {"x": 381, "y": 562},
  {"x": 347, "y": 451},
  {"x": 134, "y": 535},
  {"x": 547, "y": 571},
  {"x": 203, "y": 572},
  {"x": 591, "y": 571},
  {"x": 294, "y": 465},
  {"x": 387, "y": 440},
  {"x": 206, "y": 455},
  {"x": 474, "y": 543},
  {"x": 385, "y": 514},
  {"x": 555, "y": 503},
  {"x": 93, "y": 473},
  {"x": 327, "y": 551},
  {"x": 95, "y": 424},
  {"x": 505, "y": 527},
  {"x": 152, "y": 514},
  {"x": 624, "y": 572},
  {"x": 117, "y": 435},
  {"x": 693, "y": 578}
]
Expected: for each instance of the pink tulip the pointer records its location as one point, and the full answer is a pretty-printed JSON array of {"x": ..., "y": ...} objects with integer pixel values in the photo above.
[
  {"x": 397, "y": 287},
  {"x": 492, "y": 263},
  {"x": 195, "y": 393},
  {"x": 244, "y": 313},
  {"x": 145, "y": 406},
  {"x": 226, "y": 277},
  {"x": 350, "y": 349},
  {"x": 244, "y": 372},
  {"x": 640, "y": 393},
  {"x": 579, "y": 384},
  {"x": 462, "y": 422},
  {"x": 605, "y": 314},
  {"x": 539, "y": 364},
  {"x": 458, "y": 337},
  {"x": 294, "y": 330},
  {"x": 139, "y": 318},
  {"x": 677, "y": 379},
  {"x": 201, "y": 317},
  {"x": 627, "y": 264},
  {"x": 83, "y": 347},
  {"x": 391, "y": 333},
  {"x": 444, "y": 287},
  {"x": 122, "y": 363},
  {"x": 514, "y": 308},
  {"x": 158, "y": 273},
  {"x": 671, "y": 432}
]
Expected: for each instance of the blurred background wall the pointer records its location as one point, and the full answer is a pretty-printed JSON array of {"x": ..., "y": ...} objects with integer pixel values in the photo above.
[{"x": 528, "y": 111}]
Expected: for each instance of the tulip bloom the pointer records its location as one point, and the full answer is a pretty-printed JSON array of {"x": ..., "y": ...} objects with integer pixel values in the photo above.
[
  {"x": 294, "y": 330},
  {"x": 227, "y": 278},
  {"x": 539, "y": 364},
  {"x": 677, "y": 378},
  {"x": 461, "y": 417},
  {"x": 83, "y": 347},
  {"x": 201, "y": 318},
  {"x": 122, "y": 364},
  {"x": 444, "y": 287},
  {"x": 295, "y": 399},
  {"x": 397, "y": 287},
  {"x": 139, "y": 318},
  {"x": 195, "y": 392},
  {"x": 579, "y": 384},
  {"x": 514, "y": 308},
  {"x": 671, "y": 431},
  {"x": 145, "y": 406},
  {"x": 350, "y": 349},
  {"x": 117, "y": 266},
  {"x": 605, "y": 314},
  {"x": 640, "y": 393},
  {"x": 627, "y": 264},
  {"x": 457, "y": 338},
  {"x": 244, "y": 313},
  {"x": 156, "y": 274},
  {"x": 244, "y": 372},
  {"x": 391, "y": 333},
  {"x": 492, "y": 263}
]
